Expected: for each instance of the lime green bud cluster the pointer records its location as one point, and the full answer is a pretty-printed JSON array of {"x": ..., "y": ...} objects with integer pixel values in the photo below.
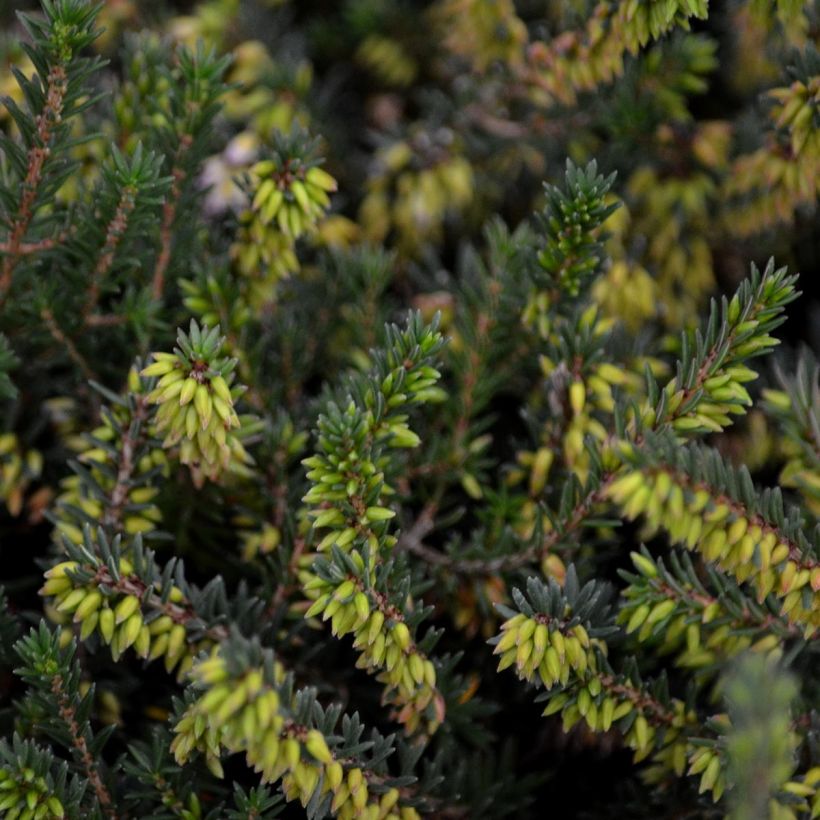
[
  {"x": 290, "y": 194},
  {"x": 585, "y": 395},
  {"x": 541, "y": 646},
  {"x": 18, "y": 469},
  {"x": 602, "y": 701},
  {"x": 347, "y": 486},
  {"x": 798, "y": 796},
  {"x": 708, "y": 390},
  {"x": 289, "y": 198},
  {"x": 351, "y": 795},
  {"x": 234, "y": 714},
  {"x": 247, "y": 713},
  {"x": 704, "y": 630},
  {"x": 566, "y": 654},
  {"x": 194, "y": 733},
  {"x": 708, "y": 762},
  {"x": 567, "y": 659},
  {"x": 723, "y": 396},
  {"x": 386, "y": 647},
  {"x": 26, "y": 796},
  {"x": 196, "y": 404},
  {"x": 726, "y": 534},
  {"x": 122, "y": 613},
  {"x": 347, "y": 497},
  {"x": 347, "y": 474},
  {"x": 603, "y": 378},
  {"x": 264, "y": 256}
]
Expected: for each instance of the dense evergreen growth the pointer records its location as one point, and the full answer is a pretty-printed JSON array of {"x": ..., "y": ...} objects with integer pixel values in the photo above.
[{"x": 379, "y": 376}]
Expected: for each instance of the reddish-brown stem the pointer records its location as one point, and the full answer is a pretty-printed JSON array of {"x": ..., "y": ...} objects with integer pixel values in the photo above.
[
  {"x": 26, "y": 248},
  {"x": 485, "y": 323},
  {"x": 78, "y": 741},
  {"x": 411, "y": 541},
  {"x": 59, "y": 335},
  {"x": 57, "y": 85},
  {"x": 112, "y": 516},
  {"x": 650, "y": 707},
  {"x": 169, "y": 214},
  {"x": 116, "y": 229},
  {"x": 104, "y": 320}
]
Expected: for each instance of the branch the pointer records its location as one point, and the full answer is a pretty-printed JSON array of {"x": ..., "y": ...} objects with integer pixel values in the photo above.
[
  {"x": 26, "y": 248},
  {"x": 169, "y": 213},
  {"x": 412, "y": 541},
  {"x": 114, "y": 233},
  {"x": 37, "y": 156},
  {"x": 130, "y": 442},
  {"x": 60, "y": 336},
  {"x": 67, "y": 713}
]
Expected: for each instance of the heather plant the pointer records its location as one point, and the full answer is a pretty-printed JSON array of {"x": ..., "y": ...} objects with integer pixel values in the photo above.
[{"x": 394, "y": 420}]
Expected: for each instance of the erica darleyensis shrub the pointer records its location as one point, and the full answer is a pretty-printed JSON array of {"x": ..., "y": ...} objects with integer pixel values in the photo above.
[{"x": 392, "y": 420}]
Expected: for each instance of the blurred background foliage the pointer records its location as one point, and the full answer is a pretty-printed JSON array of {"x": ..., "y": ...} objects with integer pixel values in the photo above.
[{"x": 435, "y": 115}]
